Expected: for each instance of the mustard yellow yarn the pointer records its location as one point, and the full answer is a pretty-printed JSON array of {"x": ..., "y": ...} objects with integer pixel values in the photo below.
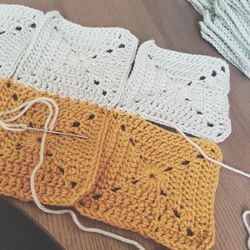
[
  {"x": 70, "y": 163},
  {"x": 153, "y": 182},
  {"x": 128, "y": 172}
]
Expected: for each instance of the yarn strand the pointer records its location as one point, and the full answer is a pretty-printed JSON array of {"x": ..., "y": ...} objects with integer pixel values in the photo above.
[
  {"x": 221, "y": 164},
  {"x": 21, "y": 127},
  {"x": 49, "y": 126}
]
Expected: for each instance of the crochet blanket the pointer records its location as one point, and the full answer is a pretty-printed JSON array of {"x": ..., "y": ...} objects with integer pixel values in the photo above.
[
  {"x": 126, "y": 172},
  {"x": 93, "y": 64}
]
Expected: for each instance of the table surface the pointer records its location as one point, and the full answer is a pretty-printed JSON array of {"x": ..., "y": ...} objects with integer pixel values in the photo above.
[{"x": 173, "y": 24}]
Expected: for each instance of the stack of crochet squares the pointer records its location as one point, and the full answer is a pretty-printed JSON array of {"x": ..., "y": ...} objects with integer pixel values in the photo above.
[{"x": 226, "y": 25}]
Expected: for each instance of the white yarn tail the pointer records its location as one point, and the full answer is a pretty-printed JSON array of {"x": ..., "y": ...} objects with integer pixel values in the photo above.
[{"x": 49, "y": 126}]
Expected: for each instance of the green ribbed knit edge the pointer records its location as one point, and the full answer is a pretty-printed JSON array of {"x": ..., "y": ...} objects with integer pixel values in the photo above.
[{"x": 226, "y": 25}]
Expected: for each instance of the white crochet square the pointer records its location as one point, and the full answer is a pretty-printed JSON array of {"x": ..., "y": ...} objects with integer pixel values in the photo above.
[
  {"x": 17, "y": 26},
  {"x": 189, "y": 91},
  {"x": 201, "y": 5},
  {"x": 90, "y": 64}
]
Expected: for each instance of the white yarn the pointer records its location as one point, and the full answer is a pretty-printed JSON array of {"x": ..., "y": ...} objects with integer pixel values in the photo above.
[
  {"x": 17, "y": 27},
  {"x": 187, "y": 90},
  {"x": 49, "y": 126},
  {"x": 51, "y": 53},
  {"x": 91, "y": 64},
  {"x": 244, "y": 217}
]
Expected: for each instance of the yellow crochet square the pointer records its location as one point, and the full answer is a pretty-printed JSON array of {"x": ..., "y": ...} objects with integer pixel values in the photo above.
[
  {"x": 127, "y": 172},
  {"x": 70, "y": 164},
  {"x": 154, "y": 182}
]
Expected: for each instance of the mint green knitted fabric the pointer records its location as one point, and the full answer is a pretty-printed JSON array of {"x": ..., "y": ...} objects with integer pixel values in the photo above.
[{"x": 226, "y": 25}]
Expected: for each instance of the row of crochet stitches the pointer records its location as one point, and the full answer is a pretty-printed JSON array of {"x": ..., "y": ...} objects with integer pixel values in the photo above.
[
  {"x": 189, "y": 91},
  {"x": 126, "y": 172},
  {"x": 93, "y": 64},
  {"x": 63, "y": 176},
  {"x": 226, "y": 26}
]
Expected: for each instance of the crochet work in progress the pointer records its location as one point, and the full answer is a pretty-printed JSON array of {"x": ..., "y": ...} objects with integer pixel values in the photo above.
[
  {"x": 127, "y": 172},
  {"x": 63, "y": 176},
  {"x": 188, "y": 90},
  {"x": 226, "y": 26},
  {"x": 91, "y": 64},
  {"x": 17, "y": 27}
]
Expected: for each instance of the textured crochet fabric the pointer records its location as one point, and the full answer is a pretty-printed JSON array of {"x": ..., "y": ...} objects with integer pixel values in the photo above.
[
  {"x": 153, "y": 182},
  {"x": 143, "y": 178},
  {"x": 70, "y": 163},
  {"x": 93, "y": 64},
  {"x": 226, "y": 26},
  {"x": 187, "y": 90},
  {"x": 65, "y": 58},
  {"x": 17, "y": 27}
]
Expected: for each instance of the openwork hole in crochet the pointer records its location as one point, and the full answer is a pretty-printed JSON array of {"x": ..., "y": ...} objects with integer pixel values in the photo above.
[
  {"x": 93, "y": 64},
  {"x": 188, "y": 90},
  {"x": 51, "y": 53}
]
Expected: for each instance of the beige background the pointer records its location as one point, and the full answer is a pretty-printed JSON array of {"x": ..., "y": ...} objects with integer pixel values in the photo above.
[{"x": 173, "y": 24}]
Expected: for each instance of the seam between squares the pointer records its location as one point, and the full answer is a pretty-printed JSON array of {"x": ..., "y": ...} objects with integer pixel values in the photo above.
[
  {"x": 30, "y": 46},
  {"x": 122, "y": 89}
]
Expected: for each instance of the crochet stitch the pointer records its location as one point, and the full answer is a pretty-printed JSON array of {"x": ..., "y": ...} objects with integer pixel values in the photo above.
[
  {"x": 152, "y": 182},
  {"x": 188, "y": 90},
  {"x": 226, "y": 26},
  {"x": 131, "y": 173},
  {"x": 18, "y": 25},
  {"x": 63, "y": 176},
  {"x": 91, "y": 64}
]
